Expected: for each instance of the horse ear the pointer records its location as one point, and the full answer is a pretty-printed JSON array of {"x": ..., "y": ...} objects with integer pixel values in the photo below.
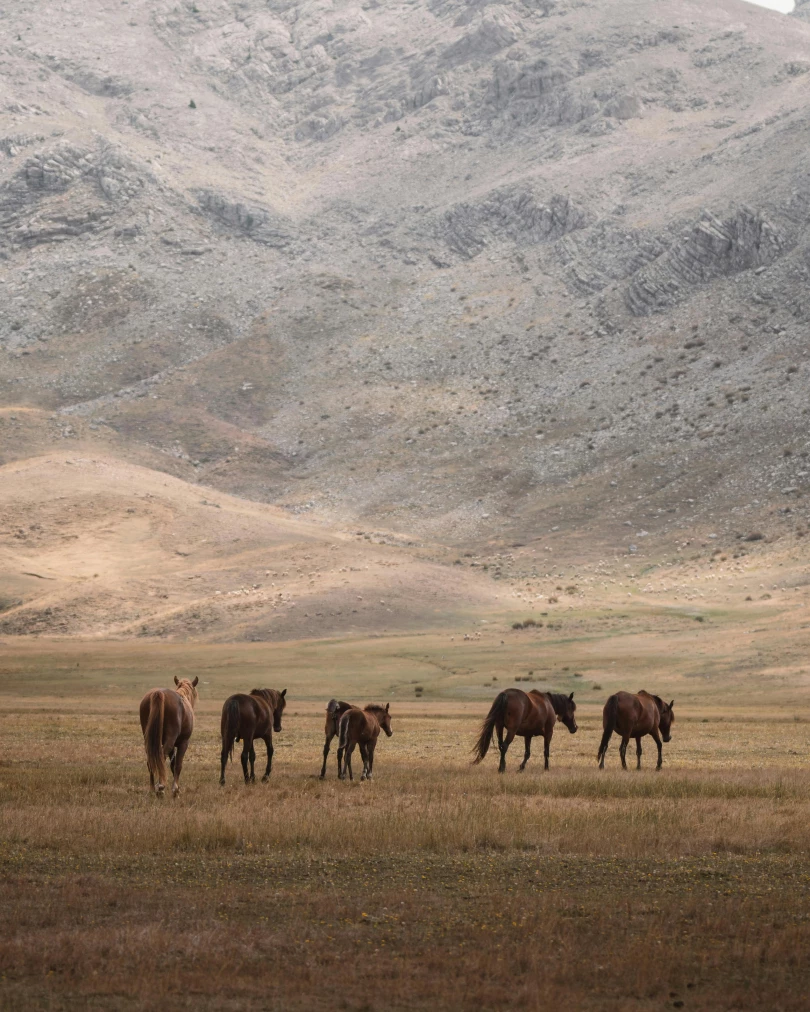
[
  {"x": 196, "y": 679},
  {"x": 283, "y": 693},
  {"x": 386, "y": 707},
  {"x": 672, "y": 704},
  {"x": 176, "y": 680},
  {"x": 570, "y": 697}
]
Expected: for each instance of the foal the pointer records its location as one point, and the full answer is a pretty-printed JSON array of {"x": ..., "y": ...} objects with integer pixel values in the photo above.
[
  {"x": 362, "y": 727},
  {"x": 632, "y": 715},
  {"x": 249, "y": 717},
  {"x": 167, "y": 721},
  {"x": 335, "y": 709}
]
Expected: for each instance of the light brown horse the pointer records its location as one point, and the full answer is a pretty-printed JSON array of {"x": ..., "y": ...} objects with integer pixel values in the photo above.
[
  {"x": 528, "y": 714},
  {"x": 167, "y": 721},
  {"x": 335, "y": 709},
  {"x": 362, "y": 727},
  {"x": 632, "y": 715},
  {"x": 248, "y": 717}
]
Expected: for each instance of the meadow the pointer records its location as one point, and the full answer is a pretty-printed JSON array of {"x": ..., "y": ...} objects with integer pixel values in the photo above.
[{"x": 436, "y": 885}]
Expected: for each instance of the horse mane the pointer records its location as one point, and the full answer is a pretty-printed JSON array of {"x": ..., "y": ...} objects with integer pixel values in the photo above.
[
  {"x": 656, "y": 699},
  {"x": 374, "y": 708},
  {"x": 186, "y": 689},
  {"x": 271, "y": 696},
  {"x": 558, "y": 699}
]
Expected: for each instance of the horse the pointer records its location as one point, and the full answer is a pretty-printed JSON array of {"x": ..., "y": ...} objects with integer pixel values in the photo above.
[
  {"x": 249, "y": 717},
  {"x": 527, "y": 714},
  {"x": 335, "y": 709},
  {"x": 167, "y": 721},
  {"x": 362, "y": 727},
  {"x": 632, "y": 715}
]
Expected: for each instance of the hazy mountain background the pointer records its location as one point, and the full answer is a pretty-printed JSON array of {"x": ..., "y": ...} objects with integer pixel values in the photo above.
[{"x": 477, "y": 292}]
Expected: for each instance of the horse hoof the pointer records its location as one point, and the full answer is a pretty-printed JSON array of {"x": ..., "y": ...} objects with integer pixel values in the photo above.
[{"x": 265, "y": 778}]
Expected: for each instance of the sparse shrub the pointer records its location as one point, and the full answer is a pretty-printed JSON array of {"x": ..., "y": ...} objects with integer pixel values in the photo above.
[
  {"x": 192, "y": 104},
  {"x": 552, "y": 600}
]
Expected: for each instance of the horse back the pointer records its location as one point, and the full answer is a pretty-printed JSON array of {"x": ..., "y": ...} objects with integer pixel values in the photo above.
[
  {"x": 536, "y": 712},
  {"x": 178, "y": 717},
  {"x": 334, "y": 711},
  {"x": 637, "y": 713}
]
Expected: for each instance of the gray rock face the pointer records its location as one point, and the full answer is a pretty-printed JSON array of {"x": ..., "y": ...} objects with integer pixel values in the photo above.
[
  {"x": 512, "y": 214},
  {"x": 713, "y": 248}
]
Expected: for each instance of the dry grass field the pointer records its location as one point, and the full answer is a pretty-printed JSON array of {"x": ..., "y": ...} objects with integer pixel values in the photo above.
[{"x": 436, "y": 885}]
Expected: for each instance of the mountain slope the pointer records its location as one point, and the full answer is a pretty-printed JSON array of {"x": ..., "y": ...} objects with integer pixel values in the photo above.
[{"x": 478, "y": 273}]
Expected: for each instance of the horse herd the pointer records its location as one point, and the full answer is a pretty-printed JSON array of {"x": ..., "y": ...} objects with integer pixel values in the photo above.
[{"x": 167, "y": 722}]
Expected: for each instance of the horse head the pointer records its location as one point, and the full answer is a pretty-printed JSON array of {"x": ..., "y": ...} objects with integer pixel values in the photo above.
[
  {"x": 188, "y": 688},
  {"x": 568, "y": 713},
  {"x": 384, "y": 718},
  {"x": 278, "y": 709},
  {"x": 665, "y": 719}
]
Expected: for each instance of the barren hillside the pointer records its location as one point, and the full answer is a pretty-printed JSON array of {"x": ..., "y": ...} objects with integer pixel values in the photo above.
[{"x": 474, "y": 275}]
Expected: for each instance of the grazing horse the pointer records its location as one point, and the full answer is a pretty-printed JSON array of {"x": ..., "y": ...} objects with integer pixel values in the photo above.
[
  {"x": 527, "y": 714},
  {"x": 249, "y": 717},
  {"x": 335, "y": 709},
  {"x": 362, "y": 727},
  {"x": 167, "y": 720},
  {"x": 632, "y": 715}
]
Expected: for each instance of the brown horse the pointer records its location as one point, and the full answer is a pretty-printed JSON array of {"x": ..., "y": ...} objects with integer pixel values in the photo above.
[
  {"x": 335, "y": 709},
  {"x": 249, "y": 717},
  {"x": 528, "y": 714},
  {"x": 632, "y": 715},
  {"x": 362, "y": 727},
  {"x": 167, "y": 720}
]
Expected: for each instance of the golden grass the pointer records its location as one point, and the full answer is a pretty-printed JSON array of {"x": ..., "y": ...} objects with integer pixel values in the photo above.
[{"x": 437, "y": 885}]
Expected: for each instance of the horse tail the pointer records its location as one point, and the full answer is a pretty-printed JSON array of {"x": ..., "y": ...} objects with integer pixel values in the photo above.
[
  {"x": 344, "y": 730},
  {"x": 496, "y": 713},
  {"x": 230, "y": 724},
  {"x": 153, "y": 736},
  {"x": 609, "y": 716}
]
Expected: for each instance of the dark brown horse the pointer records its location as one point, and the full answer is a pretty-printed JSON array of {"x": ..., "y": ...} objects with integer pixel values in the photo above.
[
  {"x": 362, "y": 727},
  {"x": 528, "y": 714},
  {"x": 167, "y": 720},
  {"x": 335, "y": 709},
  {"x": 632, "y": 715},
  {"x": 249, "y": 717}
]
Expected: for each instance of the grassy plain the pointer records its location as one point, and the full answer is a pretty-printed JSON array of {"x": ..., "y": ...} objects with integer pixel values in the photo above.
[{"x": 437, "y": 885}]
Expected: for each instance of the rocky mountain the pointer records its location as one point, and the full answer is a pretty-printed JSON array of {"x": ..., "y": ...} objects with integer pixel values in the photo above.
[{"x": 474, "y": 274}]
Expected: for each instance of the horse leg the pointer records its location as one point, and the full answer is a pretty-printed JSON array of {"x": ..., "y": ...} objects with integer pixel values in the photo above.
[
  {"x": 657, "y": 739},
  {"x": 364, "y": 757},
  {"x": 638, "y": 752},
  {"x": 347, "y": 762},
  {"x": 177, "y": 765},
  {"x": 247, "y": 746},
  {"x": 172, "y": 756},
  {"x": 623, "y": 750},
  {"x": 546, "y": 748},
  {"x": 340, "y": 758},
  {"x": 223, "y": 760},
  {"x": 269, "y": 743},
  {"x": 327, "y": 743},
  {"x": 527, "y": 752},
  {"x": 510, "y": 737},
  {"x": 371, "y": 746}
]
